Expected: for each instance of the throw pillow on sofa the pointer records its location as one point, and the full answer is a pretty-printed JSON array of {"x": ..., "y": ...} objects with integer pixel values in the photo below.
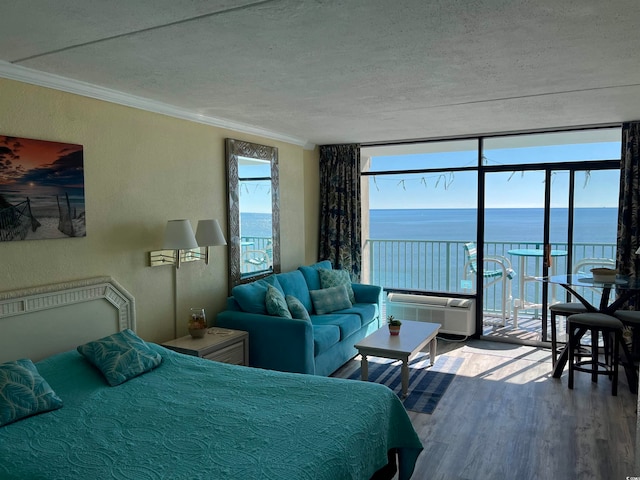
[
  {"x": 333, "y": 278},
  {"x": 275, "y": 303},
  {"x": 329, "y": 300},
  {"x": 252, "y": 296},
  {"x": 297, "y": 308}
]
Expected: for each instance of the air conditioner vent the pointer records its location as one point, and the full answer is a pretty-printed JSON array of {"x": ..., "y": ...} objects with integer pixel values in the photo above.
[{"x": 456, "y": 315}]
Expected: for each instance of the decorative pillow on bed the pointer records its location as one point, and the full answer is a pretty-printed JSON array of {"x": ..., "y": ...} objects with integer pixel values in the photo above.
[
  {"x": 329, "y": 300},
  {"x": 23, "y": 392},
  {"x": 333, "y": 278},
  {"x": 275, "y": 303},
  {"x": 120, "y": 356},
  {"x": 297, "y": 308}
]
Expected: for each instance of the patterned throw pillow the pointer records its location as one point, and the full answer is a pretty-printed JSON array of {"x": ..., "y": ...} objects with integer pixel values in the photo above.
[
  {"x": 276, "y": 304},
  {"x": 333, "y": 278},
  {"x": 120, "y": 356},
  {"x": 329, "y": 300},
  {"x": 297, "y": 308},
  {"x": 23, "y": 392}
]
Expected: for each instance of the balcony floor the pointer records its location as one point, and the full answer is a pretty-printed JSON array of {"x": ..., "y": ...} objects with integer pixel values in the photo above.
[{"x": 528, "y": 332}]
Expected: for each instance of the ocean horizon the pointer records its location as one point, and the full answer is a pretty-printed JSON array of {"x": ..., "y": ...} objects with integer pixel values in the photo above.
[
  {"x": 515, "y": 225},
  {"x": 591, "y": 225}
]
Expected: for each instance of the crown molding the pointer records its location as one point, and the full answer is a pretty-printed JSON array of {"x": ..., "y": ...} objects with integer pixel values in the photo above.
[{"x": 56, "y": 82}]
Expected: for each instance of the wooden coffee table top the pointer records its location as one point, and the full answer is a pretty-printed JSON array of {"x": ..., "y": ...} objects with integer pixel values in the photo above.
[{"x": 413, "y": 337}]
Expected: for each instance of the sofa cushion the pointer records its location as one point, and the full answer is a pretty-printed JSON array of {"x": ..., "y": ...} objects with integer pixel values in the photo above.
[
  {"x": 324, "y": 337},
  {"x": 347, "y": 323},
  {"x": 294, "y": 284},
  {"x": 275, "y": 303},
  {"x": 251, "y": 296},
  {"x": 333, "y": 278},
  {"x": 296, "y": 308},
  {"x": 311, "y": 276},
  {"x": 327, "y": 300},
  {"x": 365, "y": 311}
]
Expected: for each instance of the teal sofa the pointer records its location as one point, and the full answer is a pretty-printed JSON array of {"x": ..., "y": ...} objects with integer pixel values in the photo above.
[{"x": 318, "y": 345}]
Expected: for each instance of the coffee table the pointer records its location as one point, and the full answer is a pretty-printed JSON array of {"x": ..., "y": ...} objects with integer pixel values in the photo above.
[{"x": 414, "y": 336}]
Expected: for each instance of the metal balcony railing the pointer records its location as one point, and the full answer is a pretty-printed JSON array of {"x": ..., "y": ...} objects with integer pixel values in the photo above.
[{"x": 438, "y": 266}]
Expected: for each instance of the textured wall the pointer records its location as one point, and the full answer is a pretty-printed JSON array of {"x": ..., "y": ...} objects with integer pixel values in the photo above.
[{"x": 141, "y": 169}]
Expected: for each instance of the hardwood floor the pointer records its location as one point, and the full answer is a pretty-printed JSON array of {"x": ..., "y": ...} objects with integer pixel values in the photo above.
[{"x": 505, "y": 417}]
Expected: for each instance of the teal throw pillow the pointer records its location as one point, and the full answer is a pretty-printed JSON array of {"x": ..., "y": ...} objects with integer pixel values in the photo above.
[
  {"x": 23, "y": 392},
  {"x": 120, "y": 356},
  {"x": 329, "y": 300},
  {"x": 297, "y": 308},
  {"x": 275, "y": 302},
  {"x": 333, "y": 278},
  {"x": 251, "y": 296}
]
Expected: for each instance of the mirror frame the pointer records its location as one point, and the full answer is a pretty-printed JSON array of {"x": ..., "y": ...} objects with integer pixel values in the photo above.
[{"x": 235, "y": 149}]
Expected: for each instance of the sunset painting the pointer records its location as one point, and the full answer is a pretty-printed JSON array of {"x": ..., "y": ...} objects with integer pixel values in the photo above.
[{"x": 41, "y": 190}]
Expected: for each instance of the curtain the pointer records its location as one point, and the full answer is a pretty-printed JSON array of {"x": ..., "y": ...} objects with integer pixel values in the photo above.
[
  {"x": 627, "y": 261},
  {"x": 340, "y": 216}
]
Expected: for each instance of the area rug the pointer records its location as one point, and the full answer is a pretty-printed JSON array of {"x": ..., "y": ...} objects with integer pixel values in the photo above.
[{"x": 427, "y": 385}]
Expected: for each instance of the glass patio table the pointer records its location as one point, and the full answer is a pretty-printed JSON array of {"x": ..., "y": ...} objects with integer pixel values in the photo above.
[{"x": 626, "y": 288}]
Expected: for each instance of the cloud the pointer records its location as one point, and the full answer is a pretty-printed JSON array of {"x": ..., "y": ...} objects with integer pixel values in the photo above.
[{"x": 66, "y": 171}]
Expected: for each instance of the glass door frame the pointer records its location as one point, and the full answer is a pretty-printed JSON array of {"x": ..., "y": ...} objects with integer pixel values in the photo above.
[{"x": 548, "y": 168}]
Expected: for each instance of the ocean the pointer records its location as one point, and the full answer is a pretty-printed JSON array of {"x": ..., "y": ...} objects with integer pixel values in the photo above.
[
  {"x": 591, "y": 225},
  {"x": 435, "y": 262},
  {"x": 516, "y": 225}
]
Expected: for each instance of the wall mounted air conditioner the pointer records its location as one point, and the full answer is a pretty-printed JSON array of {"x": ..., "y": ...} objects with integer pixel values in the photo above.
[{"x": 456, "y": 315}]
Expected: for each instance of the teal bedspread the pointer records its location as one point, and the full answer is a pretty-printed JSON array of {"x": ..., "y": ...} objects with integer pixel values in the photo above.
[{"x": 196, "y": 419}]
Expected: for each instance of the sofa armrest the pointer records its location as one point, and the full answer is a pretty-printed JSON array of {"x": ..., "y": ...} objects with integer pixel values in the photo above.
[
  {"x": 275, "y": 343},
  {"x": 367, "y": 293}
]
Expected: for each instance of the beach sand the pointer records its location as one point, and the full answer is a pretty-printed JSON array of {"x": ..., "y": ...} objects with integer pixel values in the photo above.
[{"x": 49, "y": 229}]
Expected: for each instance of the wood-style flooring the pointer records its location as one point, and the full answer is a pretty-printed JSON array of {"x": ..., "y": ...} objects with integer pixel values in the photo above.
[{"x": 505, "y": 417}]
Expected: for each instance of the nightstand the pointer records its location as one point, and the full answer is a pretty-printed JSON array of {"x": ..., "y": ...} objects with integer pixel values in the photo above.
[{"x": 219, "y": 344}]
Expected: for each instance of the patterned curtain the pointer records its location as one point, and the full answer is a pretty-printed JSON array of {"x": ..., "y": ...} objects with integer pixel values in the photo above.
[
  {"x": 340, "y": 216},
  {"x": 627, "y": 261}
]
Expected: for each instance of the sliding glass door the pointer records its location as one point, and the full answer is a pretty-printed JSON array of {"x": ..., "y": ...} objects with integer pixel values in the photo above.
[
  {"x": 486, "y": 217},
  {"x": 539, "y": 217}
]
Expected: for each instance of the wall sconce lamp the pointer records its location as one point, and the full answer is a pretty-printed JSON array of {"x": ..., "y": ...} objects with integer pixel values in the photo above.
[
  {"x": 181, "y": 245},
  {"x": 209, "y": 234}
]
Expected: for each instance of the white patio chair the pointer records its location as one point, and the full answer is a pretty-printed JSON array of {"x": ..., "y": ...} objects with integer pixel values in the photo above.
[
  {"x": 497, "y": 269},
  {"x": 255, "y": 260}
]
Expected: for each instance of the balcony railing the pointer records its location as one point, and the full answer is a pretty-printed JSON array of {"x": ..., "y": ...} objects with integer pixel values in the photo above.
[
  {"x": 256, "y": 254},
  {"x": 439, "y": 266}
]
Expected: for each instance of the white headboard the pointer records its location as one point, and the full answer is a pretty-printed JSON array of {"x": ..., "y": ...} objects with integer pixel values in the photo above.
[{"x": 39, "y": 321}]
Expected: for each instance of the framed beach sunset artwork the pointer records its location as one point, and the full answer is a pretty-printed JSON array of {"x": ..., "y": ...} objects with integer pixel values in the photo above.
[{"x": 41, "y": 190}]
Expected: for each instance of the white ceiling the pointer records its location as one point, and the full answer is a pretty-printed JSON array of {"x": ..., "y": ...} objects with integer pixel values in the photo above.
[{"x": 339, "y": 71}]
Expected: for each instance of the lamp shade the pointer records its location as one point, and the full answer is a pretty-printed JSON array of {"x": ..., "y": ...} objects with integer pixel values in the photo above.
[
  {"x": 209, "y": 233},
  {"x": 179, "y": 235}
]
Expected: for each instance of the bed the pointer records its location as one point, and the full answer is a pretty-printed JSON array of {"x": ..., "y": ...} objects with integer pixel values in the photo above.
[{"x": 185, "y": 417}]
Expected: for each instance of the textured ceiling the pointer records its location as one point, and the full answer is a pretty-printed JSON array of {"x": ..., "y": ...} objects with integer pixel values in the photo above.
[{"x": 335, "y": 71}]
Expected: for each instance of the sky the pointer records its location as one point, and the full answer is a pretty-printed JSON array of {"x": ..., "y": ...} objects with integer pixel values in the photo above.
[
  {"x": 511, "y": 189},
  {"x": 27, "y": 162}
]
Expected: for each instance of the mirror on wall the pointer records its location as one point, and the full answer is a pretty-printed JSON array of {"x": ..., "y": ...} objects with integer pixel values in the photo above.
[{"x": 254, "y": 215}]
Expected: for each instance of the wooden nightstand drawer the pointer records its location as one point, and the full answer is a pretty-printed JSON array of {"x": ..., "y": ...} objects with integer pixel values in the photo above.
[
  {"x": 220, "y": 344},
  {"x": 231, "y": 354}
]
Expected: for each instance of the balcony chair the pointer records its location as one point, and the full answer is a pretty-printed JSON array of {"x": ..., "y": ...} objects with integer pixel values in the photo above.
[
  {"x": 583, "y": 266},
  {"x": 255, "y": 260},
  {"x": 501, "y": 272}
]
